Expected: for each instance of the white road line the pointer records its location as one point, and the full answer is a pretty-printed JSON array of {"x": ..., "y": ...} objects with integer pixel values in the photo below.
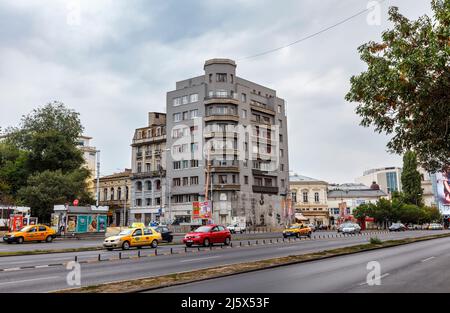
[
  {"x": 43, "y": 260},
  {"x": 41, "y": 266},
  {"x": 382, "y": 276},
  {"x": 428, "y": 259},
  {"x": 199, "y": 259},
  {"x": 11, "y": 269},
  {"x": 27, "y": 280}
]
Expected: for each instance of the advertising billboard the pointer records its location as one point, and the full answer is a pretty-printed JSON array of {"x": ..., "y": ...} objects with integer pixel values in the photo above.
[
  {"x": 72, "y": 223},
  {"x": 201, "y": 210},
  {"x": 82, "y": 223},
  {"x": 442, "y": 189}
]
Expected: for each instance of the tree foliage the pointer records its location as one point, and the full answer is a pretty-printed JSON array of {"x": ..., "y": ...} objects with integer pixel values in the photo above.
[
  {"x": 40, "y": 164},
  {"x": 411, "y": 179},
  {"x": 405, "y": 89}
]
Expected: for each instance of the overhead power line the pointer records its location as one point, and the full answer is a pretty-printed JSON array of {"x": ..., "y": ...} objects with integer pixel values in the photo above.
[{"x": 313, "y": 34}]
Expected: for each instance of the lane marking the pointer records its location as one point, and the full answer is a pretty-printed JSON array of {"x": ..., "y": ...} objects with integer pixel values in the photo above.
[
  {"x": 11, "y": 269},
  {"x": 199, "y": 259},
  {"x": 28, "y": 280},
  {"x": 382, "y": 276},
  {"x": 428, "y": 259}
]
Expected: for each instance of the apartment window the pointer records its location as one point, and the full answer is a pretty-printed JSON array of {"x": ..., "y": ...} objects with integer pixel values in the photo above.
[
  {"x": 279, "y": 108},
  {"x": 280, "y": 122},
  {"x": 177, "y": 165},
  {"x": 185, "y": 164},
  {"x": 281, "y": 153},
  {"x": 316, "y": 197},
  {"x": 176, "y": 101},
  {"x": 148, "y": 185},
  {"x": 234, "y": 179},
  {"x": 305, "y": 196},
  {"x": 221, "y": 93},
  {"x": 246, "y": 180},
  {"x": 185, "y": 115},
  {"x": 268, "y": 182},
  {"x": 244, "y": 113},
  {"x": 221, "y": 77},
  {"x": 283, "y": 183},
  {"x": 177, "y": 117},
  {"x": 194, "y": 97},
  {"x": 294, "y": 196},
  {"x": 232, "y": 78},
  {"x": 185, "y": 99},
  {"x": 243, "y": 97},
  {"x": 158, "y": 201},
  {"x": 281, "y": 167},
  {"x": 112, "y": 194},
  {"x": 138, "y": 202},
  {"x": 245, "y": 163},
  {"x": 194, "y": 113},
  {"x": 139, "y": 167},
  {"x": 281, "y": 138},
  {"x": 258, "y": 181},
  {"x": 194, "y": 180},
  {"x": 148, "y": 201},
  {"x": 194, "y": 163},
  {"x": 185, "y": 181},
  {"x": 177, "y": 182},
  {"x": 222, "y": 179},
  {"x": 194, "y": 146}
]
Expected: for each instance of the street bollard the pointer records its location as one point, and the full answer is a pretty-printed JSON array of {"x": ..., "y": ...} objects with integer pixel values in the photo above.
[
  {"x": 76, "y": 258},
  {"x": 198, "y": 249},
  {"x": 99, "y": 257},
  {"x": 139, "y": 253},
  {"x": 156, "y": 251},
  {"x": 231, "y": 244},
  {"x": 120, "y": 255},
  {"x": 249, "y": 242},
  {"x": 210, "y": 248},
  {"x": 221, "y": 246},
  {"x": 240, "y": 243},
  {"x": 171, "y": 250},
  {"x": 185, "y": 250}
]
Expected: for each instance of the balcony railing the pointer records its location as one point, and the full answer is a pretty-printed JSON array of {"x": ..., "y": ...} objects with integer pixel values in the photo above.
[
  {"x": 222, "y": 117},
  {"x": 265, "y": 189},
  {"x": 149, "y": 174}
]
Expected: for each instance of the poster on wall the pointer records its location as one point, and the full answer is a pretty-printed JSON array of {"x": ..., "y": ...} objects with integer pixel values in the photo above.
[
  {"x": 443, "y": 191},
  {"x": 72, "y": 223},
  {"x": 82, "y": 223},
  {"x": 101, "y": 223},
  {"x": 16, "y": 222}
]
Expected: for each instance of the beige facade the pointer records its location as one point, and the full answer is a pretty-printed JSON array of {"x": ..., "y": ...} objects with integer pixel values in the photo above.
[
  {"x": 89, "y": 155},
  {"x": 428, "y": 196},
  {"x": 115, "y": 192},
  {"x": 309, "y": 197}
]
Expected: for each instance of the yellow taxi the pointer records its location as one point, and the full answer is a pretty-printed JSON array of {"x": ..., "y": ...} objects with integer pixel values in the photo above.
[
  {"x": 297, "y": 230},
  {"x": 31, "y": 233},
  {"x": 133, "y": 237}
]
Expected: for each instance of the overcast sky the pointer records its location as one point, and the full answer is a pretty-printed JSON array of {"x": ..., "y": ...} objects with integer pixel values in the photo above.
[{"x": 117, "y": 61}]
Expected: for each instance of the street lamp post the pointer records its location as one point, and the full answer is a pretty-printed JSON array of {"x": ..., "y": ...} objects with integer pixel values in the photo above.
[{"x": 97, "y": 188}]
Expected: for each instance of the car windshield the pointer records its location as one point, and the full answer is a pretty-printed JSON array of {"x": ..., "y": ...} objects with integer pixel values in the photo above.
[
  {"x": 203, "y": 229},
  {"x": 125, "y": 232},
  {"x": 295, "y": 226},
  {"x": 25, "y": 229}
]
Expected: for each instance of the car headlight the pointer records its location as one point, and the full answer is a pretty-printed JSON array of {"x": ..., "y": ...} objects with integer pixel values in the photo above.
[{"x": 11, "y": 236}]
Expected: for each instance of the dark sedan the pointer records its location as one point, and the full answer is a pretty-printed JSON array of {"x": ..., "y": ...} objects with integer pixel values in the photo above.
[{"x": 166, "y": 234}]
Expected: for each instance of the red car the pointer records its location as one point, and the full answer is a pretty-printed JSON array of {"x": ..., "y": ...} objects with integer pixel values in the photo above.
[{"x": 208, "y": 235}]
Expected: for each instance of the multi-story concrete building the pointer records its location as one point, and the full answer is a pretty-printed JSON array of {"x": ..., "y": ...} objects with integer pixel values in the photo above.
[
  {"x": 309, "y": 197},
  {"x": 237, "y": 127},
  {"x": 115, "y": 193},
  {"x": 388, "y": 178},
  {"x": 148, "y": 159},
  {"x": 89, "y": 155}
]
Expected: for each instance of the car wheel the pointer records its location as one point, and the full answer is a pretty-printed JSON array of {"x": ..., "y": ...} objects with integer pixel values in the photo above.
[
  {"x": 206, "y": 242},
  {"x": 242, "y": 231},
  {"x": 20, "y": 240},
  {"x": 227, "y": 241},
  {"x": 126, "y": 245},
  {"x": 154, "y": 244},
  {"x": 49, "y": 239},
  {"x": 170, "y": 240}
]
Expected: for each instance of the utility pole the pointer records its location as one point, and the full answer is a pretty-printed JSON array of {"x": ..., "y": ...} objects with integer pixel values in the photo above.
[{"x": 97, "y": 191}]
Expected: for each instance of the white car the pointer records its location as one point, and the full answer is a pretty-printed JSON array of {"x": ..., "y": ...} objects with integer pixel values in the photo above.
[
  {"x": 435, "y": 226},
  {"x": 236, "y": 228},
  {"x": 351, "y": 229}
]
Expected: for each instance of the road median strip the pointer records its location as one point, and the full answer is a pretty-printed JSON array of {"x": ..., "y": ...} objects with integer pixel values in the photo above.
[{"x": 181, "y": 278}]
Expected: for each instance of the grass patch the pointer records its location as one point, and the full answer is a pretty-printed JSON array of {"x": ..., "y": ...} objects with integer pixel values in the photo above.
[
  {"x": 150, "y": 283},
  {"x": 375, "y": 240}
]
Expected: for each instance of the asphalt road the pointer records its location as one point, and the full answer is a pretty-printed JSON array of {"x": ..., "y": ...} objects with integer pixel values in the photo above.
[
  {"x": 417, "y": 267},
  {"x": 48, "y": 278}
]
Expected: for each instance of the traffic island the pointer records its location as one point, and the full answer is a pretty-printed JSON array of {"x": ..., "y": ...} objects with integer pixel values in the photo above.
[{"x": 180, "y": 278}]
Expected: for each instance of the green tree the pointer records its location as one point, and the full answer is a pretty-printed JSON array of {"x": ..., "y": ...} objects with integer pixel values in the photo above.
[
  {"x": 13, "y": 172},
  {"x": 49, "y": 134},
  {"x": 411, "y": 180},
  {"x": 48, "y": 188},
  {"x": 404, "y": 91}
]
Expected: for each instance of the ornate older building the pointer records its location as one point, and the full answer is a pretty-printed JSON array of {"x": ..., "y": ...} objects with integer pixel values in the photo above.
[
  {"x": 148, "y": 198},
  {"x": 115, "y": 193},
  {"x": 309, "y": 197}
]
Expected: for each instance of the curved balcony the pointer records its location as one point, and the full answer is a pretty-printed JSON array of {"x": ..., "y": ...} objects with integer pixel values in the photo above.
[
  {"x": 222, "y": 118},
  {"x": 265, "y": 189}
]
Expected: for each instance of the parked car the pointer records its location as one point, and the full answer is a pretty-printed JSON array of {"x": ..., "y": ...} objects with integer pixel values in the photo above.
[
  {"x": 133, "y": 237},
  {"x": 350, "y": 228},
  {"x": 414, "y": 227},
  {"x": 166, "y": 234},
  {"x": 30, "y": 233},
  {"x": 236, "y": 228},
  {"x": 397, "y": 227},
  {"x": 208, "y": 235},
  {"x": 312, "y": 226},
  {"x": 297, "y": 230},
  {"x": 435, "y": 226}
]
